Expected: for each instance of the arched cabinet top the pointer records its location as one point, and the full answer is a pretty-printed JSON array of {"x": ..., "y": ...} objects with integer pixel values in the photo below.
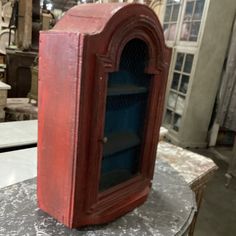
[
  {"x": 93, "y": 18},
  {"x": 117, "y": 24}
]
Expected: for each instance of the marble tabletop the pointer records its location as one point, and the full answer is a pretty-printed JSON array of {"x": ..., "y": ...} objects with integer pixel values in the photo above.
[
  {"x": 192, "y": 166},
  {"x": 168, "y": 211},
  {"x": 17, "y": 166},
  {"x": 18, "y": 133}
]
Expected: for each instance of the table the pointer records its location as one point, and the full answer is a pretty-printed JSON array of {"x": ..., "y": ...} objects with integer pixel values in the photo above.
[
  {"x": 17, "y": 166},
  {"x": 195, "y": 169},
  {"x": 3, "y": 99},
  {"x": 18, "y": 133},
  {"x": 168, "y": 211}
]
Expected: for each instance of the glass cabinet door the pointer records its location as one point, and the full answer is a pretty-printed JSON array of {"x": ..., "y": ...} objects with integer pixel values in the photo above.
[{"x": 125, "y": 116}]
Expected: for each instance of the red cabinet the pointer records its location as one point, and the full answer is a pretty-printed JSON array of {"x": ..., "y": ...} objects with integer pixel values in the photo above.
[{"x": 102, "y": 76}]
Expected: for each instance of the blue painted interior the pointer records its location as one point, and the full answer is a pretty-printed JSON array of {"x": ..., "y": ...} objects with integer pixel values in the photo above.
[
  {"x": 114, "y": 162},
  {"x": 125, "y": 113}
]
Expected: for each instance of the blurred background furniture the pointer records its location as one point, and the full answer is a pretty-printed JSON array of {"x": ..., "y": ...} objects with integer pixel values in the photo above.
[
  {"x": 3, "y": 99},
  {"x": 18, "y": 135},
  {"x": 196, "y": 68}
]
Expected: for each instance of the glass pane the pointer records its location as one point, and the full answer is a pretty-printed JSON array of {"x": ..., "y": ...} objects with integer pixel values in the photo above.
[
  {"x": 189, "y": 11},
  {"x": 125, "y": 116},
  {"x": 165, "y": 27},
  {"x": 180, "y": 105},
  {"x": 188, "y": 63},
  {"x": 185, "y": 31},
  {"x": 167, "y": 14},
  {"x": 168, "y": 117},
  {"x": 118, "y": 168},
  {"x": 173, "y": 1},
  {"x": 179, "y": 61},
  {"x": 172, "y": 100},
  {"x": 175, "y": 13},
  {"x": 198, "y": 10},
  {"x": 184, "y": 84},
  {"x": 177, "y": 121},
  {"x": 175, "y": 81},
  {"x": 194, "y": 31},
  {"x": 172, "y": 32}
]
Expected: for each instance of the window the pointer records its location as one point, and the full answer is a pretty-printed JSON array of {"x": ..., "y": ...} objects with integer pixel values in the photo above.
[
  {"x": 192, "y": 20},
  {"x": 171, "y": 18},
  {"x": 178, "y": 90}
]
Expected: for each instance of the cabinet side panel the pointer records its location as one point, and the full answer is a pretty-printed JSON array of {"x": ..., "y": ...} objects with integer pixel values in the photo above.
[{"x": 58, "y": 104}]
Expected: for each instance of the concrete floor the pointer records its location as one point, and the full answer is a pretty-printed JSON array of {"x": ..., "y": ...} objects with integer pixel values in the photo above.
[{"x": 217, "y": 216}]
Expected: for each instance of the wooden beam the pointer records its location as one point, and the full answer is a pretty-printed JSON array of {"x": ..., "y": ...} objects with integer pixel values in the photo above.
[{"x": 24, "y": 30}]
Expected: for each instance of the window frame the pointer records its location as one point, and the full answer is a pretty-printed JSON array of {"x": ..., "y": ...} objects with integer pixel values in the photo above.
[
  {"x": 185, "y": 51},
  {"x": 177, "y": 22},
  {"x": 196, "y": 43},
  {"x": 186, "y": 47},
  {"x": 177, "y": 40}
]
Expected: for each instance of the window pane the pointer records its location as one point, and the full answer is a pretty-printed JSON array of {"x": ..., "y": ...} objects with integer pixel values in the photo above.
[
  {"x": 185, "y": 31},
  {"x": 165, "y": 27},
  {"x": 194, "y": 31},
  {"x": 179, "y": 61},
  {"x": 175, "y": 81},
  {"x": 172, "y": 100},
  {"x": 189, "y": 11},
  {"x": 172, "y": 32},
  {"x": 173, "y": 1},
  {"x": 198, "y": 10},
  {"x": 168, "y": 117},
  {"x": 167, "y": 14},
  {"x": 177, "y": 120},
  {"x": 188, "y": 63},
  {"x": 184, "y": 84},
  {"x": 180, "y": 105},
  {"x": 175, "y": 13},
  {"x": 192, "y": 20},
  {"x": 166, "y": 31}
]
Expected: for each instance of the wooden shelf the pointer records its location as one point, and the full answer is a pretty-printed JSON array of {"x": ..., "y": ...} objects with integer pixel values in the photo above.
[
  {"x": 125, "y": 90},
  {"x": 119, "y": 142}
]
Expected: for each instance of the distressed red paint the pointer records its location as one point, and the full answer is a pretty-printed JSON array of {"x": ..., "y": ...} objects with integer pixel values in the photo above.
[{"x": 75, "y": 59}]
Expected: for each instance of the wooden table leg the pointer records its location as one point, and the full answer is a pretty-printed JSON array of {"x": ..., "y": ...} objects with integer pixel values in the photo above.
[{"x": 199, "y": 196}]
